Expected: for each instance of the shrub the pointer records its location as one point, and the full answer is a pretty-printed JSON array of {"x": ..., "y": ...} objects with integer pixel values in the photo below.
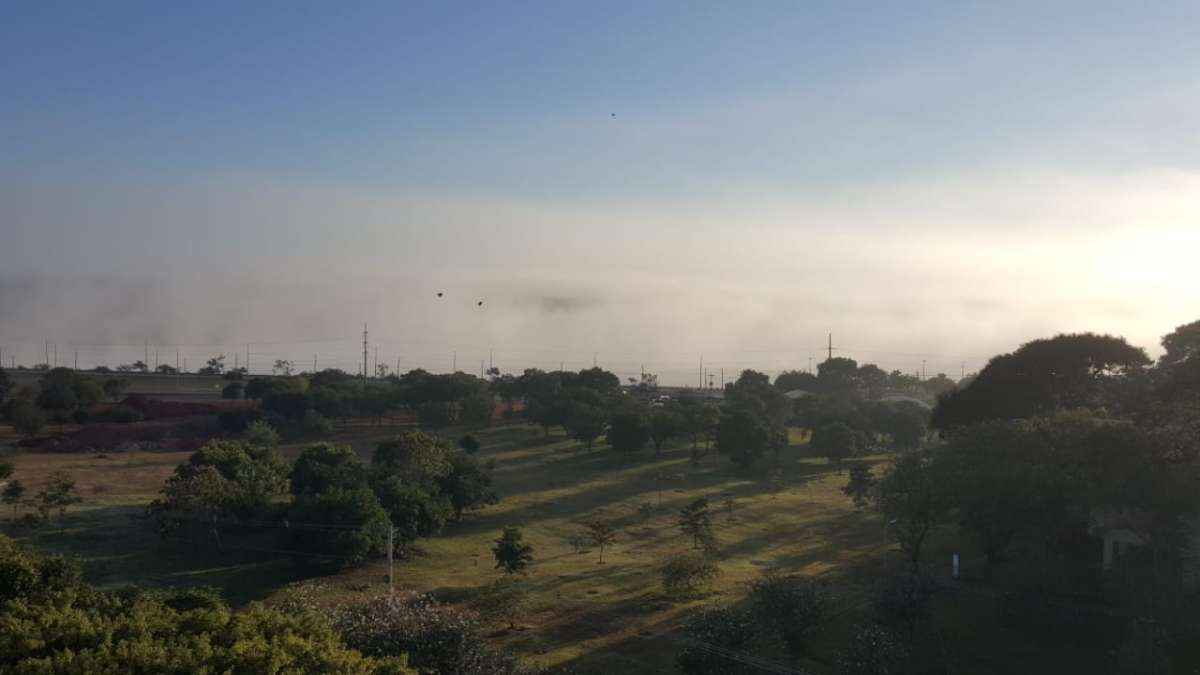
[
  {"x": 792, "y": 608},
  {"x": 685, "y": 574},
  {"x": 233, "y": 391},
  {"x": 317, "y": 424},
  {"x": 721, "y": 628},
  {"x": 902, "y": 602},
  {"x": 872, "y": 650},
  {"x": 469, "y": 444},
  {"x": 262, "y": 435},
  {"x": 436, "y": 638},
  {"x": 123, "y": 414}
]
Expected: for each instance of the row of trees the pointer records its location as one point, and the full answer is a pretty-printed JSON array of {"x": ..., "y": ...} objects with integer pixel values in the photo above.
[{"x": 328, "y": 503}]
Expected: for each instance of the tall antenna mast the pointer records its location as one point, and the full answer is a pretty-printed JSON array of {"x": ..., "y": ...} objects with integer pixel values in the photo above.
[{"x": 364, "y": 370}]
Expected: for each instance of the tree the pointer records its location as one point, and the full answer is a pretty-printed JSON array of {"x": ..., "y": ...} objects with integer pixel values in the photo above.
[
  {"x": 5, "y": 384},
  {"x": 793, "y": 608},
  {"x": 12, "y": 495},
  {"x": 468, "y": 486},
  {"x": 413, "y": 511},
  {"x": 53, "y": 622},
  {"x": 913, "y": 501},
  {"x": 59, "y": 493},
  {"x": 602, "y": 532},
  {"x": 1180, "y": 345},
  {"x": 26, "y": 418},
  {"x": 511, "y": 552},
  {"x": 628, "y": 430},
  {"x": 743, "y": 436},
  {"x": 477, "y": 409},
  {"x": 860, "y": 485},
  {"x": 414, "y": 456},
  {"x": 687, "y": 573},
  {"x": 665, "y": 424},
  {"x": 341, "y": 524},
  {"x": 694, "y": 521},
  {"x": 834, "y": 441},
  {"x": 325, "y": 466},
  {"x": 585, "y": 422},
  {"x": 233, "y": 391},
  {"x": 114, "y": 388},
  {"x": 262, "y": 435},
  {"x": 1067, "y": 371},
  {"x": 796, "y": 380},
  {"x": 214, "y": 366},
  {"x": 838, "y": 377},
  {"x": 165, "y": 369},
  {"x": 282, "y": 367},
  {"x": 434, "y": 415}
]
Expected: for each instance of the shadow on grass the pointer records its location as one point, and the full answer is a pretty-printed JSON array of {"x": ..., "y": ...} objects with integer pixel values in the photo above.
[{"x": 117, "y": 547}]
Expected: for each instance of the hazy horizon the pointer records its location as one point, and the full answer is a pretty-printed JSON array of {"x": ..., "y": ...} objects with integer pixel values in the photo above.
[{"x": 641, "y": 185}]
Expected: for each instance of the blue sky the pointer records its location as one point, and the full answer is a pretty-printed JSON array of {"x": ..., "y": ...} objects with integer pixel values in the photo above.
[{"x": 686, "y": 150}]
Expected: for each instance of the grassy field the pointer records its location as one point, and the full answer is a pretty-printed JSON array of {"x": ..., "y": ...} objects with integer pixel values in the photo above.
[
  {"x": 592, "y": 615},
  {"x": 584, "y": 615}
]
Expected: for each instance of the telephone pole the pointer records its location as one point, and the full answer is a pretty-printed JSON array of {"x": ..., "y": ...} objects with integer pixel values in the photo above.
[
  {"x": 247, "y": 357},
  {"x": 701, "y": 371},
  {"x": 76, "y": 359},
  {"x": 831, "y": 345}
]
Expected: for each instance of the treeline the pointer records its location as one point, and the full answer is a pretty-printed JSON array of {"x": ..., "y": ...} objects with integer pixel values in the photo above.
[{"x": 327, "y": 506}]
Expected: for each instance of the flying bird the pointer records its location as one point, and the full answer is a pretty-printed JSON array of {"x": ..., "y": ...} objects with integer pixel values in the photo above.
[
  {"x": 439, "y": 294},
  {"x": 479, "y": 304}
]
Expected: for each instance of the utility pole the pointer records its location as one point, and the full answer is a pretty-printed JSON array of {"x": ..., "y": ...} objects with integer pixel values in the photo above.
[
  {"x": 55, "y": 354},
  {"x": 77, "y": 360},
  {"x": 701, "y": 371},
  {"x": 145, "y": 359},
  {"x": 314, "y": 363},
  {"x": 156, "y": 358},
  {"x": 810, "y": 364},
  {"x": 922, "y": 369},
  {"x": 491, "y": 358},
  {"x": 47, "y": 346},
  {"x": 722, "y": 379},
  {"x": 376, "y": 360},
  {"x": 247, "y": 357},
  {"x": 831, "y": 345},
  {"x": 454, "y": 362},
  {"x": 176, "y": 360}
]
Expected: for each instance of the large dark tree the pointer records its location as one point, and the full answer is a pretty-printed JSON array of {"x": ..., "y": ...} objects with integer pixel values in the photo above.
[{"x": 1066, "y": 371}]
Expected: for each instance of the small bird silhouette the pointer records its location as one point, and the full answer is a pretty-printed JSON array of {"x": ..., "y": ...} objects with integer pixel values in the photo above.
[
  {"x": 439, "y": 294},
  {"x": 479, "y": 304}
]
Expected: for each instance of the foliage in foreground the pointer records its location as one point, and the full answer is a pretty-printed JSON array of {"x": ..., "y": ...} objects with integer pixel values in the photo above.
[{"x": 51, "y": 622}]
